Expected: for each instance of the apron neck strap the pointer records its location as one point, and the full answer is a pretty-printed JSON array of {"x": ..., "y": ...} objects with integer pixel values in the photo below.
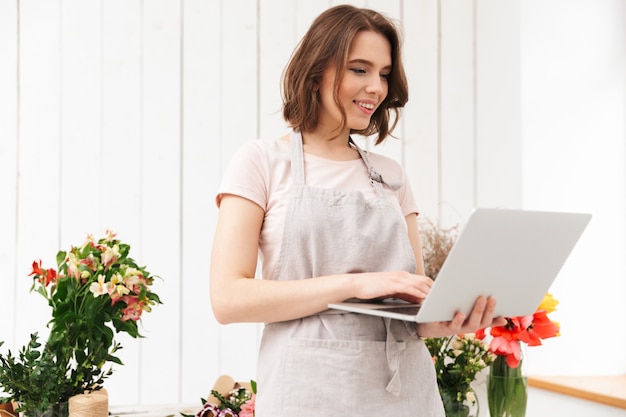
[
  {"x": 297, "y": 159},
  {"x": 297, "y": 163},
  {"x": 375, "y": 178}
]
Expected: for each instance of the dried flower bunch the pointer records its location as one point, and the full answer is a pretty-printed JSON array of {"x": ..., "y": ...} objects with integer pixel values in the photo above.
[{"x": 436, "y": 244}]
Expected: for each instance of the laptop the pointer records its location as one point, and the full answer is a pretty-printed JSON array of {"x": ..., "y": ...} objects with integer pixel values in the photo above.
[{"x": 512, "y": 255}]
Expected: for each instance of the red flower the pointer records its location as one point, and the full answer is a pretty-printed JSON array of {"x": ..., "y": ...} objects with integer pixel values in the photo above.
[
  {"x": 37, "y": 270},
  {"x": 44, "y": 276},
  {"x": 528, "y": 329},
  {"x": 540, "y": 328}
]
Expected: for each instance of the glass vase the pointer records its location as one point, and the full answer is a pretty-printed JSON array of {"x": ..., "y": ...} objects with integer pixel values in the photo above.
[
  {"x": 55, "y": 410},
  {"x": 458, "y": 404},
  {"x": 507, "y": 390}
]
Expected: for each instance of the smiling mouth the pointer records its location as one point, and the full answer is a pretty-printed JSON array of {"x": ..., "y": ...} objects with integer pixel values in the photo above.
[{"x": 368, "y": 106}]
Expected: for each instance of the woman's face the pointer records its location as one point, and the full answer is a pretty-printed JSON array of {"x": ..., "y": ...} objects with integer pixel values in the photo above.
[{"x": 364, "y": 84}]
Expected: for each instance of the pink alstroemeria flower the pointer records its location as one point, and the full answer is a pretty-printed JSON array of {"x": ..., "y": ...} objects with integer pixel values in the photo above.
[
  {"x": 247, "y": 409},
  {"x": 110, "y": 255},
  {"x": 133, "y": 309}
]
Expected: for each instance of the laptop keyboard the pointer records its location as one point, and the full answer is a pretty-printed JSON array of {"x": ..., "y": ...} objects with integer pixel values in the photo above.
[{"x": 400, "y": 310}]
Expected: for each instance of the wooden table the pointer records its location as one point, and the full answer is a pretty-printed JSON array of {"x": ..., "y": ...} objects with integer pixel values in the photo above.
[
  {"x": 160, "y": 410},
  {"x": 609, "y": 390}
]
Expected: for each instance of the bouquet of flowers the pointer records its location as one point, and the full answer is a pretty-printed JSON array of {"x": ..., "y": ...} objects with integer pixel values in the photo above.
[
  {"x": 531, "y": 330},
  {"x": 458, "y": 359},
  {"x": 228, "y": 399},
  {"x": 96, "y": 291},
  {"x": 506, "y": 388}
]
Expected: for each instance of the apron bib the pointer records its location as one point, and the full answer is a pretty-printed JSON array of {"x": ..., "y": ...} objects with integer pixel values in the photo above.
[{"x": 337, "y": 363}]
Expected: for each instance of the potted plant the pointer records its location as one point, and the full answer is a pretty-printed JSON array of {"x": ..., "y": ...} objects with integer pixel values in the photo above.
[
  {"x": 96, "y": 292},
  {"x": 34, "y": 378}
]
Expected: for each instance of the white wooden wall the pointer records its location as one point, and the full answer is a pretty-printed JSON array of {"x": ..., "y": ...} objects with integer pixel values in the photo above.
[{"x": 123, "y": 114}]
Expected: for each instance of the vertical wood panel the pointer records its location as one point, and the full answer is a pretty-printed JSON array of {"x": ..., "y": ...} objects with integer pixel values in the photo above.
[
  {"x": 201, "y": 121},
  {"x": 498, "y": 104},
  {"x": 238, "y": 62},
  {"x": 80, "y": 121},
  {"x": 276, "y": 43},
  {"x": 457, "y": 111},
  {"x": 305, "y": 12},
  {"x": 8, "y": 169},
  {"x": 161, "y": 193},
  {"x": 39, "y": 157},
  {"x": 239, "y": 342},
  {"x": 357, "y": 3},
  {"x": 121, "y": 147},
  {"x": 421, "y": 127}
]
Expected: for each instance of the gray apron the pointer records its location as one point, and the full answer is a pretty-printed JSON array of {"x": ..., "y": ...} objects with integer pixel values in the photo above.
[{"x": 336, "y": 363}]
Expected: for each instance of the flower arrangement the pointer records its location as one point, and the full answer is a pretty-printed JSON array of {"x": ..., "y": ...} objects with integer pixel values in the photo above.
[
  {"x": 531, "y": 330},
  {"x": 96, "y": 291},
  {"x": 238, "y": 401},
  {"x": 506, "y": 388},
  {"x": 458, "y": 359}
]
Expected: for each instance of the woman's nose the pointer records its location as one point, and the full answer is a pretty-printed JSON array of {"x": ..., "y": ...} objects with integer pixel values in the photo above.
[{"x": 376, "y": 84}]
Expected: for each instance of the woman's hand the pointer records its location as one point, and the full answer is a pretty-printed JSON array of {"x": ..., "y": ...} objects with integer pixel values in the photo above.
[
  {"x": 480, "y": 317},
  {"x": 398, "y": 284}
]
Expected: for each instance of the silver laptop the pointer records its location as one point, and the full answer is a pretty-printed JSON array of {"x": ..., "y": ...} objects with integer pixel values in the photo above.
[{"x": 512, "y": 255}]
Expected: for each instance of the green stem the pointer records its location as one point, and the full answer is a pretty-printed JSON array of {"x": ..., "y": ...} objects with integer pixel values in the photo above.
[{"x": 506, "y": 390}]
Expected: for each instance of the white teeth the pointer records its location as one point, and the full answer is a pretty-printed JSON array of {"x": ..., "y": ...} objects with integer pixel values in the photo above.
[{"x": 366, "y": 105}]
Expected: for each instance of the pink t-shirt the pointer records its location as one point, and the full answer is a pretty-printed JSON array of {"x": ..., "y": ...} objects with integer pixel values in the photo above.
[{"x": 260, "y": 171}]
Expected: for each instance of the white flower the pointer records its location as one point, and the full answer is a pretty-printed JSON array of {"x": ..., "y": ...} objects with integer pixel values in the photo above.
[
  {"x": 470, "y": 396},
  {"x": 110, "y": 255},
  {"x": 99, "y": 288},
  {"x": 457, "y": 344}
]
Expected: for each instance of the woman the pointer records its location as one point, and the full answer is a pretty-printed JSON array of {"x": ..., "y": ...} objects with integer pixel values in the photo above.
[{"x": 331, "y": 222}]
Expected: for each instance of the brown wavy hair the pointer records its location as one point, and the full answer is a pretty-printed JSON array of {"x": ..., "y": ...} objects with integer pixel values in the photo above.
[{"x": 326, "y": 44}]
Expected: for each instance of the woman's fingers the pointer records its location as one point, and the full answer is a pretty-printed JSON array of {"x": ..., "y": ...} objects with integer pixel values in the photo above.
[{"x": 480, "y": 317}]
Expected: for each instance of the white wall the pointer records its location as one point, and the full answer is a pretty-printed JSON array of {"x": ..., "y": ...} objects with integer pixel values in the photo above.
[
  {"x": 123, "y": 114},
  {"x": 574, "y": 159}
]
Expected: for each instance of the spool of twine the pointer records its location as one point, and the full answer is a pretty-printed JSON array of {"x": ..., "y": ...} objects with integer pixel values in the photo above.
[
  {"x": 6, "y": 410},
  {"x": 92, "y": 404}
]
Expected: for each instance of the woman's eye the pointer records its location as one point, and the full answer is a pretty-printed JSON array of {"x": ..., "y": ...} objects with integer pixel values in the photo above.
[
  {"x": 358, "y": 70},
  {"x": 385, "y": 76}
]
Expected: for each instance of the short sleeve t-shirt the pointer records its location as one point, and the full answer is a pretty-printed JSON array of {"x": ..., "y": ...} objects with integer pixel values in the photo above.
[{"x": 260, "y": 171}]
